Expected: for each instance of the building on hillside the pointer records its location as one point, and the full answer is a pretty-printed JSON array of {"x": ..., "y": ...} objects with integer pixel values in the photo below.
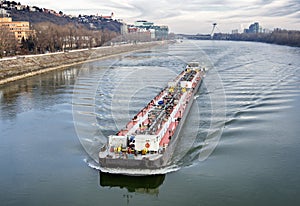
[
  {"x": 161, "y": 32},
  {"x": 143, "y": 24},
  {"x": 3, "y": 12},
  {"x": 137, "y": 34},
  {"x": 21, "y": 29},
  {"x": 124, "y": 27},
  {"x": 156, "y": 32},
  {"x": 109, "y": 17},
  {"x": 20, "y": 7}
]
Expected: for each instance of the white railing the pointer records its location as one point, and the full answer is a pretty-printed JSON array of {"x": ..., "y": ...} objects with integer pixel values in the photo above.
[{"x": 172, "y": 117}]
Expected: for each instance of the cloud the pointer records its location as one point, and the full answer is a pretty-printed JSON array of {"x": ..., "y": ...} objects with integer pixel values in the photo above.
[
  {"x": 280, "y": 9},
  {"x": 189, "y": 15}
]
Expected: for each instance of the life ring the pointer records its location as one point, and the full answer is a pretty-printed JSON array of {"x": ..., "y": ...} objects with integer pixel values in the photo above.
[{"x": 147, "y": 145}]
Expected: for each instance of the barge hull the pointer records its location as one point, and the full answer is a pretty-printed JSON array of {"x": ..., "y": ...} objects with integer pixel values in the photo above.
[{"x": 160, "y": 162}]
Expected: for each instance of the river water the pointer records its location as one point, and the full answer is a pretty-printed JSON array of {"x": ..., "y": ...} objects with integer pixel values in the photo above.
[{"x": 239, "y": 146}]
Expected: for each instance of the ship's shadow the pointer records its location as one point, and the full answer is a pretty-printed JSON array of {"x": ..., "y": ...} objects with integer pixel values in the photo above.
[{"x": 141, "y": 184}]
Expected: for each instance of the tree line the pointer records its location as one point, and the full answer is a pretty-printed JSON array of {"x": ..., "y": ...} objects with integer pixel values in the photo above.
[
  {"x": 278, "y": 36},
  {"x": 50, "y": 37}
]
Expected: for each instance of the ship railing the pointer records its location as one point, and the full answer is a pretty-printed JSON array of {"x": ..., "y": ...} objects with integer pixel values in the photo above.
[
  {"x": 135, "y": 127},
  {"x": 188, "y": 76},
  {"x": 171, "y": 118},
  {"x": 158, "y": 119},
  {"x": 134, "y": 123},
  {"x": 159, "y": 114},
  {"x": 169, "y": 104}
]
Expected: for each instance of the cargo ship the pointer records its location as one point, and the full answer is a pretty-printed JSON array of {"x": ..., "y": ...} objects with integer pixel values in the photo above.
[{"x": 148, "y": 140}]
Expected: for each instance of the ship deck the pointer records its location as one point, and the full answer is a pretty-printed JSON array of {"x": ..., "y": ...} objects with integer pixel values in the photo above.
[{"x": 159, "y": 118}]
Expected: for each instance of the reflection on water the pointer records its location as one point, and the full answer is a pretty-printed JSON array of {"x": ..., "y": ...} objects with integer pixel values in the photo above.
[
  {"x": 141, "y": 184},
  {"x": 35, "y": 92}
]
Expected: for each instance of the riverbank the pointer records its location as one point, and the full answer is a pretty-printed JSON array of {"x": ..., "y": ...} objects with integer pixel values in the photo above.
[{"x": 16, "y": 68}]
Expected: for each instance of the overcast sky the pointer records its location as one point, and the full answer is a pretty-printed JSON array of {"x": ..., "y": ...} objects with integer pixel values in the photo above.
[{"x": 188, "y": 16}]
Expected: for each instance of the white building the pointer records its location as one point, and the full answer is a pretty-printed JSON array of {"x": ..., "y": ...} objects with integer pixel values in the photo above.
[
  {"x": 143, "y": 23},
  {"x": 3, "y": 13}
]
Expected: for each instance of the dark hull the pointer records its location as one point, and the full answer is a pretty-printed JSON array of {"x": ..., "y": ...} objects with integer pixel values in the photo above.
[{"x": 145, "y": 184}]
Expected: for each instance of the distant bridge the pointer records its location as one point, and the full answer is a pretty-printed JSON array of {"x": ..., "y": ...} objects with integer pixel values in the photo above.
[{"x": 196, "y": 37}]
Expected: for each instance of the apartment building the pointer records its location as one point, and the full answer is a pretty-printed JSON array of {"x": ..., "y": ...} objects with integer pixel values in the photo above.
[{"x": 21, "y": 29}]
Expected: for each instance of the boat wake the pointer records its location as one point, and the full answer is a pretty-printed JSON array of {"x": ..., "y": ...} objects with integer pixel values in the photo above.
[
  {"x": 254, "y": 90},
  {"x": 106, "y": 97}
]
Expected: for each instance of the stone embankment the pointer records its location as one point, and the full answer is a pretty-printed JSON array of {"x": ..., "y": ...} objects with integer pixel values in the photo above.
[{"x": 25, "y": 66}]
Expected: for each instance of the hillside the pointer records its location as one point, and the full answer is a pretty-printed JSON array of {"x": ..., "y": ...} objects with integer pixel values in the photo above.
[
  {"x": 36, "y": 15},
  {"x": 90, "y": 22}
]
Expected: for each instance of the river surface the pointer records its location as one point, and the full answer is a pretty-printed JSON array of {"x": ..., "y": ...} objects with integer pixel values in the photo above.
[{"x": 239, "y": 146}]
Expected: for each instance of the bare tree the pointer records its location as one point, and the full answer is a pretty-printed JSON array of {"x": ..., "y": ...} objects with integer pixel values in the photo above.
[
  {"x": 51, "y": 37},
  {"x": 8, "y": 42}
]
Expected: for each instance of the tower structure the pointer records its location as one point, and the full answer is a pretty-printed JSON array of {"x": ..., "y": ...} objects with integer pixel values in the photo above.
[{"x": 212, "y": 31}]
